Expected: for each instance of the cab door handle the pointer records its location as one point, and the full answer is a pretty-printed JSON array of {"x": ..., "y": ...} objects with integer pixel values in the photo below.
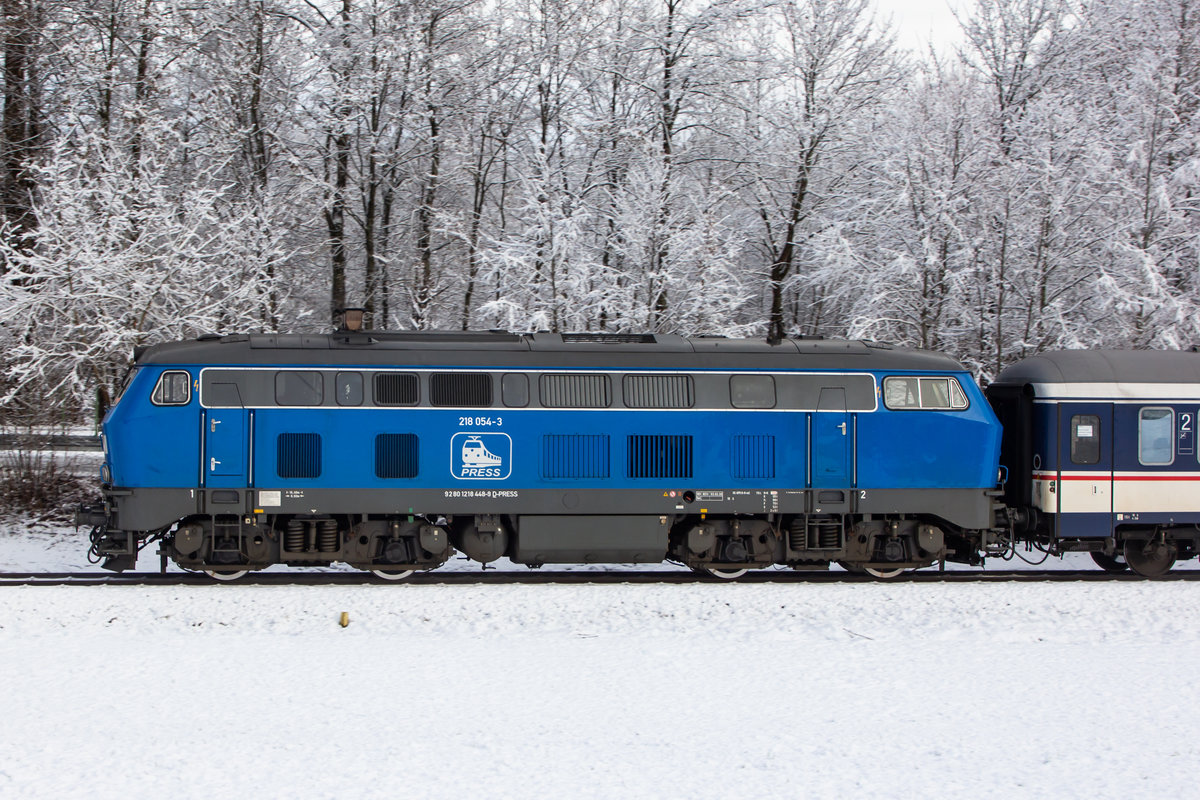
[
  {"x": 212, "y": 464},
  {"x": 843, "y": 428}
]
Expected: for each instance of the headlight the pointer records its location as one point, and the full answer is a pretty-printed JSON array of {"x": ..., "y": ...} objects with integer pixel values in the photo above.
[{"x": 105, "y": 474}]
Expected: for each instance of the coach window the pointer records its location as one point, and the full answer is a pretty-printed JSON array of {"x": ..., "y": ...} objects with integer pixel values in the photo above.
[
  {"x": 172, "y": 389},
  {"x": 752, "y": 391},
  {"x": 1156, "y": 436},
  {"x": 1085, "y": 439},
  {"x": 515, "y": 389},
  {"x": 349, "y": 388},
  {"x": 299, "y": 388}
]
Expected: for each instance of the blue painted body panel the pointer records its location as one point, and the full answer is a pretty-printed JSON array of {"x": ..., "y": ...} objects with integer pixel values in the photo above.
[
  {"x": 149, "y": 445},
  {"x": 882, "y": 449}
]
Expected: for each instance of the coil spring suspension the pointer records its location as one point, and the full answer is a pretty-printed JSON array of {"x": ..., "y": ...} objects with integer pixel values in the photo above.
[
  {"x": 828, "y": 534},
  {"x": 797, "y": 534},
  {"x": 293, "y": 538},
  {"x": 327, "y": 536}
]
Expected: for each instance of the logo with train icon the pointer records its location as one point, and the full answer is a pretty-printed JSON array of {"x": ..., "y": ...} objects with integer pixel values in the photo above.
[{"x": 481, "y": 456}]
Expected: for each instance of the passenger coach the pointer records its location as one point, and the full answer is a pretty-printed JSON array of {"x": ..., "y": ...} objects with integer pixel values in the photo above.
[
  {"x": 1101, "y": 453},
  {"x": 389, "y": 451}
]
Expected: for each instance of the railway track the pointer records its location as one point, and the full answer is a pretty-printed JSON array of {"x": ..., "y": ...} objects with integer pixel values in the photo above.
[{"x": 493, "y": 577}]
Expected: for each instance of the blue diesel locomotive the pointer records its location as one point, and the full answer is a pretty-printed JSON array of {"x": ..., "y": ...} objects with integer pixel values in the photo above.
[{"x": 388, "y": 451}]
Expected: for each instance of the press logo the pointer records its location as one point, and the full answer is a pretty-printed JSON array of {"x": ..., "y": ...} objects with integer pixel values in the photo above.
[{"x": 486, "y": 456}]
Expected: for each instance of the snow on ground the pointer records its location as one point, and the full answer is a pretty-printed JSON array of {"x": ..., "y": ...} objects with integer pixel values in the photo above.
[{"x": 613, "y": 690}]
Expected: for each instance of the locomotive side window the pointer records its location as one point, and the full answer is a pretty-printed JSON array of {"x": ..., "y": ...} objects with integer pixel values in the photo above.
[
  {"x": 349, "y": 388},
  {"x": 752, "y": 391},
  {"x": 172, "y": 389},
  {"x": 1156, "y": 436},
  {"x": 515, "y": 388},
  {"x": 299, "y": 388},
  {"x": 396, "y": 389},
  {"x": 1085, "y": 439},
  {"x": 451, "y": 389}
]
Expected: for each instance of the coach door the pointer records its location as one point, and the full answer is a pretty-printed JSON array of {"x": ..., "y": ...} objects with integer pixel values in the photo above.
[
  {"x": 1085, "y": 475},
  {"x": 832, "y": 441},
  {"x": 224, "y": 438}
]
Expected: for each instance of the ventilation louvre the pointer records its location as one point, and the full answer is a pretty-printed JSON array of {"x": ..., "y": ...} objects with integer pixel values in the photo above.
[
  {"x": 396, "y": 389},
  {"x": 608, "y": 338},
  {"x": 575, "y": 391},
  {"x": 660, "y": 456},
  {"x": 659, "y": 391},
  {"x": 470, "y": 389},
  {"x": 396, "y": 455},
  {"x": 575, "y": 456},
  {"x": 298, "y": 455},
  {"x": 753, "y": 456}
]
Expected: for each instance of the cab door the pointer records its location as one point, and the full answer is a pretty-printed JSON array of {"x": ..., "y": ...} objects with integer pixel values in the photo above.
[
  {"x": 832, "y": 441},
  {"x": 1085, "y": 474},
  {"x": 225, "y": 445}
]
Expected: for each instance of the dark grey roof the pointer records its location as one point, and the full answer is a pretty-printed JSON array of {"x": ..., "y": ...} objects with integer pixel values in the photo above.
[
  {"x": 1105, "y": 366},
  {"x": 542, "y": 350}
]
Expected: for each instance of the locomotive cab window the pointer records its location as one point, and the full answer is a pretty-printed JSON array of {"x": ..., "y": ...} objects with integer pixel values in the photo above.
[
  {"x": 899, "y": 393},
  {"x": 934, "y": 394},
  {"x": 173, "y": 389},
  {"x": 1156, "y": 436},
  {"x": 1085, "y": 439}
]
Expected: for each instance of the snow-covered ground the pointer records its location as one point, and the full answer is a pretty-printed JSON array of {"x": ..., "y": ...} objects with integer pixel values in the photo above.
[{"x": 613, "y": 690}]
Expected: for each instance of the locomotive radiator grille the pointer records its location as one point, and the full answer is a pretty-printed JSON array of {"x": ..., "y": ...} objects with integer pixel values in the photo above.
[
  {"x": 299, "y": 455},
  {"x": 660, "y": 456},
  {"x": 575, "y": 456},
  {"x": 753, "y": 456}
]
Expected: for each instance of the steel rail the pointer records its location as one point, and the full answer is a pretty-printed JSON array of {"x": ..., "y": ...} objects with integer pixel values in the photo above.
[{"x": 538, "y": 577}]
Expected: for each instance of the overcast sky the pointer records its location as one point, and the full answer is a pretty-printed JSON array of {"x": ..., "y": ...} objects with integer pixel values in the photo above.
[{"x": 921, "y": 22}]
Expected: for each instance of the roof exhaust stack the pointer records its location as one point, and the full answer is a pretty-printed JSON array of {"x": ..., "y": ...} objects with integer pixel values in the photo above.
[{"x": 352, "y": 320}]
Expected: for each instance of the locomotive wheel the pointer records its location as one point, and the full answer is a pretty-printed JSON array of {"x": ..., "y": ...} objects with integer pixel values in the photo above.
[
  {"x": 725, "y": 574},
  {"x": 1114, "y": 563},
  {"x": 226, "y": 575},
  {"x": 885, "y": 574},
  {"x": 1149, "y": 559},
  {"x": 391, "y": 575}
]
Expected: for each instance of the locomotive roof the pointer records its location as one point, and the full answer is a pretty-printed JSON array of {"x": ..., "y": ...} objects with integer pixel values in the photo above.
[
  {"x": 541, "y": 350},
  {"x": 1102, "y": 367}
]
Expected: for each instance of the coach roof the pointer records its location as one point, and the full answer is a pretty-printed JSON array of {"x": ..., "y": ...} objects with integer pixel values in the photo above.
[
  {"x": 1105, "y": 366},
  {"x": 541, "y": 350}
]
